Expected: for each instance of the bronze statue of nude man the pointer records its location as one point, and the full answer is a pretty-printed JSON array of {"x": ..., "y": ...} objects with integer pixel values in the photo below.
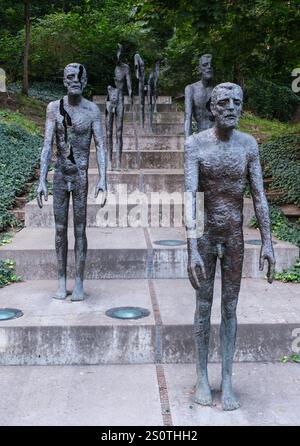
[
  {"x": 72, "y": 121},
  {"x": 218, "y": 162},
  {"x": 197, "y": 96}
]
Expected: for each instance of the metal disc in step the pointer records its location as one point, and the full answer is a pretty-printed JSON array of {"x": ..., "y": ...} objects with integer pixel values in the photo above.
[
  {"x": 170, "y": 242},
  {"x": 127, "y": 312},
  {"x": 9, "y": 313}
]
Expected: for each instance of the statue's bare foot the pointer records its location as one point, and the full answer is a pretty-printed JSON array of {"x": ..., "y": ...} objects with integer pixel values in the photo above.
[
  {"x": 203, "y": 393},
  {"x": 61, "y": 292},
  {"x": 229, "y": 400},
  {"x": 78, "y": 293}
]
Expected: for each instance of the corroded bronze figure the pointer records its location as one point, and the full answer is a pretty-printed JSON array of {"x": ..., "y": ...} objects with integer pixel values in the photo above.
[
  {"x": 197, "y": 97},
  {"x": 72, "y": 122},
  {"x": 219, "y": 162},
  {"x": 139, "y": 66},
  {"x": 115, "y": 108}
]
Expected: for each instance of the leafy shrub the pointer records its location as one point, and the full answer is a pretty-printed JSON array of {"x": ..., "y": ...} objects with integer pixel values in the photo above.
[
  {"x": 291, "y": 274},
  {"x": 270, "y": 100},
  {"x": 283, "y": 229},
  {"x": 7, "y": 273},
  {"x": 281, "y": 160},
  {"x": 19, "y": 156}
]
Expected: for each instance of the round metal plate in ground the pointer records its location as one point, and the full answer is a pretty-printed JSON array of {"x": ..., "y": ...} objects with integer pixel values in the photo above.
[
  {"x": 127, "y": 312},
  {"x": 256, "y": 242},
  {"x": 170, "y": 242},
  {"x": 9, "y": 313}
]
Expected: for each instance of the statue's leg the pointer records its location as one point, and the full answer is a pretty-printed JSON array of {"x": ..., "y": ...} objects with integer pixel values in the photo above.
[
  {"x": 150, "y": 112},
  {"x": 119, "y": 135},
  {"x": 79, "y": 213},
  {"x": 61, "y": 199},
  {"x": 231, "y": 269},
  {"x": 155, "y": 105},
  {"x": 204, "y": 298},
  {"x": 110, "y": 125},
  {"x": 142, "y": 103}
]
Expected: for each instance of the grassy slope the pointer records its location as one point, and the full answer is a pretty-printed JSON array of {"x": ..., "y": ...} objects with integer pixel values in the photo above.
[
  {"x": 28, "y": 113},
  {"x": 264, "y": 129}
]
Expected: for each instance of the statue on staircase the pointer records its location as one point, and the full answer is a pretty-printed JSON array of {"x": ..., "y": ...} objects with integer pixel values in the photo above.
[
  {"x": 218, "y": 162},
  {"x": 139, "y": 67},
  {"x": 72, "y": 122},
  {"x": 197, "y": 97},
  {"x": 115, "y": 108}
]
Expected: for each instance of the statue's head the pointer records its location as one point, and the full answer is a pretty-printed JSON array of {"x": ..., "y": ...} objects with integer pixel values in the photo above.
[
  {"x": 75, "y": 78},
  {"x": 205, "y": 66},
  {"x": 119, "y": 52},
  {"x": 226, "y": 104}
]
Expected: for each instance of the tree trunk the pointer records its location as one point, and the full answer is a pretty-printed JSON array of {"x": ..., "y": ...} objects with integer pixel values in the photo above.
[{"x": 26, "y": 48}]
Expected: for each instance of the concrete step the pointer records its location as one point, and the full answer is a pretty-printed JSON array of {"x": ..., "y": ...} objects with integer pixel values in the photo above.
[
  {"x": 151, "y": 142},
  {"x": 145, "y": 395},
  {"x": 53, "y": 332},
  {"x": 155, "y": 159},
  {"x": 101, "y": 99},
  {"x": 126, "y": 253},
  {"x": 158, "y": 118},
  {"x": 161, "y": 108},
  {"x": 167, "y": 214},
  {"x": 144, "y": 180},
  {"x": 85, "y": 396},
  {"x": 157, "y": 129}
]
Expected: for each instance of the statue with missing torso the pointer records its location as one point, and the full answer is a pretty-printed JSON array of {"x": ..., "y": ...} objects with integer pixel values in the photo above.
[
  {"x": 72, "y": 122},
  {"x": 219, "y": 162}
]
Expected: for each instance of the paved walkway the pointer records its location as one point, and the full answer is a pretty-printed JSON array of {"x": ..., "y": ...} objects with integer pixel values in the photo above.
[{"x": 129, "y": 395}]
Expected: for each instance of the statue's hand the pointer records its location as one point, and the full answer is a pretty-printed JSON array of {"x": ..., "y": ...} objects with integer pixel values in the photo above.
[
  {"x": 41, "y": 190},
  {"x": 267, "y": 253},
  {"x": 195, "y": 267},
  {"x": 100, "y": 187}
]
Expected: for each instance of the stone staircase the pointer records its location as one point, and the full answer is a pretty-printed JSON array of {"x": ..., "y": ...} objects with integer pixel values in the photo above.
[{"x": 131, "y": 266}]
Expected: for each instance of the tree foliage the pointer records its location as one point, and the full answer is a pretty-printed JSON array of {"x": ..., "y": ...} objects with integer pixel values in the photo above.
[{"x": 248, "y": 38}]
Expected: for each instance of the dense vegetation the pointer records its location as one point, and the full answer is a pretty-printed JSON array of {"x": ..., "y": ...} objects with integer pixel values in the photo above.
[
  {"x": 7, "y": 273},
  {"x": 281, "y": 161},
  {"x": 249, "y": 39},
  {"x": 19, "y": 157},
  {"x": 288, "y": 231}
]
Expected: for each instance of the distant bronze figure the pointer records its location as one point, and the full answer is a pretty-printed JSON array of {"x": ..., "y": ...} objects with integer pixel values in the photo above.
[
  {"x": 218, "y": 162},
  {"x": 152, "y": 93},
  {"x": 115, "y": 108},
  {"x": 139, "y": 66},
  {"x": 111, "y": 116},
  {"x": 72, "y": 122},
  {"x": 197, "y": 97}
]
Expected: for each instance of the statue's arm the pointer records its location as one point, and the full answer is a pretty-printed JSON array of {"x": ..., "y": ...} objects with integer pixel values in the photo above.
[
  {"x": 48, "y": 142},
  {"x": 188, "y": 110},
  {"x": 46, "y": 154},
  {"x": 191, "y": 175},
  {"x": 98, "y": 136},
  {"x": 261, "y": 209}
]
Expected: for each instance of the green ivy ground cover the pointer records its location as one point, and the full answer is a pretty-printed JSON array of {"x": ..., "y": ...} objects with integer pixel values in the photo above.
[
  {"x": 281, "y": 161},
  {"x": 19, "y": 157}
]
